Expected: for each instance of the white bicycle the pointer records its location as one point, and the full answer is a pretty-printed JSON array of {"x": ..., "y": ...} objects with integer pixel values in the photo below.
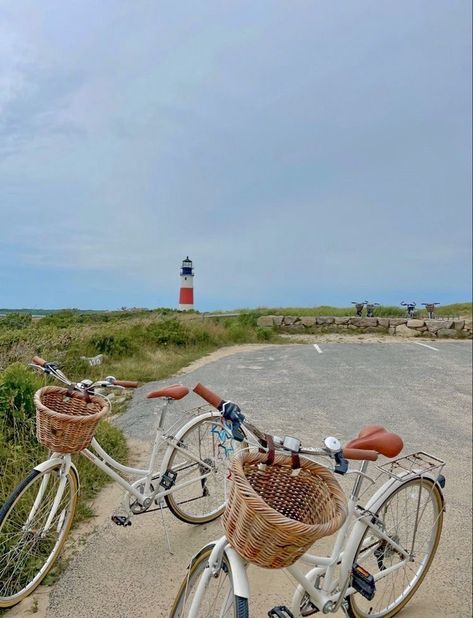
[
  {"x": 379, "y": 556},
  {"x": 36, "y": 518}
]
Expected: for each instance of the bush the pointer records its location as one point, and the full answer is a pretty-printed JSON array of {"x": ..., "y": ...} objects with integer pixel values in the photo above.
[
  {"x": 116, "y": 346},
  {"x": 264, "y": 334},
  {"x": 167, "y": 332},
  {"x": 18, "y": 384},
  {"x": 14, "y": 321}
]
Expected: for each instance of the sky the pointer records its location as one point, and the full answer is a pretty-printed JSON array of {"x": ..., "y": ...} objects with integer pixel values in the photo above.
[{"x": 299, "y": 152}]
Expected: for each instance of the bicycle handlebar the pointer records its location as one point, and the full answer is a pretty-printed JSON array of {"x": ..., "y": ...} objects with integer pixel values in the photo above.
[
  {"x": 52, "y": 368},
  {"x": 125, "y": 383},
  {"x": 218, "y": 402},
  {"x": 37, "y": 360},
  {"x": 210, "y": 397}
]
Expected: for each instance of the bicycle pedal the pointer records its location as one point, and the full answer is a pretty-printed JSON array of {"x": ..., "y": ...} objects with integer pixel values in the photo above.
[
  {"x": 280, "y": 612},
  {"x": 168, "y": 479},
  {"x": 363, "y": 582},
  {"x": 121, "y": 520}
]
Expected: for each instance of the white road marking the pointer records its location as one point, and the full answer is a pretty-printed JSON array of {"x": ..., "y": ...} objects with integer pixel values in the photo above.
[
  {"x": 426, "y": 346},
  {"x": 317, "y": 348}
]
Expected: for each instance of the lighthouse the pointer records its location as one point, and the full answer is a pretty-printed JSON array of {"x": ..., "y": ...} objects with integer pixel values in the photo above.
[{"x": 186, "y": 293}]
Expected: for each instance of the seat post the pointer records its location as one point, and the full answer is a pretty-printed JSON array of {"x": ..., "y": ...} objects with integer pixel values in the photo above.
[{"x": 164, "y": 409}]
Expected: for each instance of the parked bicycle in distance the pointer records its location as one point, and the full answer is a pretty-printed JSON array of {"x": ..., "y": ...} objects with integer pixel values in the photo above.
[
  {"x": 381, "y": 553},
  {"x": 37, "y": 517},
  {"x": 359, "y": 306},
  {"x": 430, "y": 308},
  {"x": 410, "y": 308},
  {"x": 370, "y": 309}
]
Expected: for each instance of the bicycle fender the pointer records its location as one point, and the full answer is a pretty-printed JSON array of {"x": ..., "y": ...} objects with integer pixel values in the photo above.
[
  {"x": 240, "y": 579},
  {"x": 54, "y": 461},
  {"x": 373, "y": 505},
  {"x": 241, "y": 586}
]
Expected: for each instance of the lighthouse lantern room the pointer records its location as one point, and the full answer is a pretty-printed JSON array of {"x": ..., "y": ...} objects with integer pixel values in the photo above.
[{"x": 186, "y": 293}]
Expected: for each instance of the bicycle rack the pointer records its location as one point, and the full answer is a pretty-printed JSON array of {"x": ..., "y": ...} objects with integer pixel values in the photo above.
[{"x": 415, "y": 464}]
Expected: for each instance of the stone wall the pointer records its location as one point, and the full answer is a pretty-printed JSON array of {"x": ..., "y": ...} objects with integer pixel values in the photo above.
[{"x": 394, "y": 326}]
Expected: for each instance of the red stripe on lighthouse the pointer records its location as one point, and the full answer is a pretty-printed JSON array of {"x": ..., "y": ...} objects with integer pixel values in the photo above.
[{"x": 186, "y": 296}]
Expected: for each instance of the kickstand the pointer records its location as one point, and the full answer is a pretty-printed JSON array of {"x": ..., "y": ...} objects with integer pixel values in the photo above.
[{"x": 165, "y": 528}]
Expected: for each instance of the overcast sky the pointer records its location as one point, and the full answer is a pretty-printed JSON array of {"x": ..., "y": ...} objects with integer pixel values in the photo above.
[{"x": 300, "y": 152}]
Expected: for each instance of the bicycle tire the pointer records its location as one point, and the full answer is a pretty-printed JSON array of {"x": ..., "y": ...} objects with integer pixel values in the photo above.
[
  {"x": 400, "y": 504},
  {"x": 26, "y": 552},
  {"x": 200, "y": 503},
  {"x": 234, "y": 606}
]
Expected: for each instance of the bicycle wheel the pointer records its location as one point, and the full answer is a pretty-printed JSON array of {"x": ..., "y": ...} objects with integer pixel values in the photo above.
[
  {"x": 412, "y": 517},
  {"x": 29, "y": 543},
  {"x": 218, "y": 598},
  {"x": 202, "y": 454}
]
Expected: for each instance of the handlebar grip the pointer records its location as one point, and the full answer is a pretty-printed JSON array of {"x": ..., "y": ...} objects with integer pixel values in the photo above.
[
  {"x": 126, "y": 383},
  {"x": 212, "y": 398},
  {"x": 360, "y": 454},
  {"x": 37, "y": 360}
]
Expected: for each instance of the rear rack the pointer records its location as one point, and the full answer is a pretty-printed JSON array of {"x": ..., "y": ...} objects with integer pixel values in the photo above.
[{"x": 416, "y": 464}]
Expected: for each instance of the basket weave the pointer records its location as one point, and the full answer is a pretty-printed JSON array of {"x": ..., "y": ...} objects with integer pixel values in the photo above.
[
  {"x": 65, "y": 421},
  {"x": 274, "y": 516}
]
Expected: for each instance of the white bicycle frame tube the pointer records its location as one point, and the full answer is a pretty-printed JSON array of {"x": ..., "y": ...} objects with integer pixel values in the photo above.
[{"x": 110, "y": 466}]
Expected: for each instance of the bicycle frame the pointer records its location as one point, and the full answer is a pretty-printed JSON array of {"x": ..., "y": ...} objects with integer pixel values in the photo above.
[{"x": 111, "y": 467}]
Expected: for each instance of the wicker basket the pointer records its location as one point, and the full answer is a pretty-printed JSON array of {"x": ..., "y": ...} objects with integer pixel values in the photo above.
[
  {"x": 274, "y": 515},
  {"x": 66, "y": 421}
]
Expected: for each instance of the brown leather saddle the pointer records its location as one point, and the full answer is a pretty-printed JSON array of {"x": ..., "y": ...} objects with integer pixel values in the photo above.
[{"x": 377, "y": 438}]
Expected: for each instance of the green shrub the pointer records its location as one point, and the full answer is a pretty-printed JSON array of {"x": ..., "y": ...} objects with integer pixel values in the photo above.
[
  {"x": 167, "y": 332},
  {"x": 116, "y": 346},
  {"x": 17, "y": 387},
  {"x": 14, "y": 321},
  {"x": 264, "y": 334}
]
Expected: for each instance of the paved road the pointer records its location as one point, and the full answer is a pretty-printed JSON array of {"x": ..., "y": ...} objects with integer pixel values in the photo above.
[{"x": 422, "y": 393}]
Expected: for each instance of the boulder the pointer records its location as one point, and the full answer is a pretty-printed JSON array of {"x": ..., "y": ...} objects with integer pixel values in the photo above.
[
  {"x": 308, "y": 320},
  {"x": 397, "y": 321},
  {"x": 434, "y": 325},
  {"x": 325, "y": 320},
  {"x": 447, "y": 332},
  {"x": 265, "y": 320},
  {"x": 289, "y": 320},
  {"x": 392, "y": 330},
  {"x": 277, "y": 320},
  {"x": 405, "y": 331},
  {"x": 364, "y": 322},
  {"x": 458, "y": 324},
  {"x": 384, "y": 322},
  {"x": 468, "y": 325},
  {"x": 342, "y": 320},
  {"x": 415, "y": 323}
]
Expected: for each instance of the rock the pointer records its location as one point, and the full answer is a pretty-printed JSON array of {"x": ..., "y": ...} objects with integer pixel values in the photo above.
[
  {"x": 434, "y": 325},
  {"x": 342, "y": 320},
  {"x": 447, "y": 332},
  {"x": 397, "y": 321},
  {"x": 374, "y": 329},
  {"x": 277, "y": 319},
  {"x": 384, "y": 322},
  {"x": 404, "y": 331},
  {"x": 265, "y": 320},
  {"x": 392, "y": 330},
  {"x": 308, "y": 320},
  {"x": 468, "y": 325},
  {"x": 458, "y": 324},
  {"x": 289, "y": 320},
  {"x": 364, "y": 322},
  {"x": 324, "y": 320},
  {"x": 415, "y": 323}
]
